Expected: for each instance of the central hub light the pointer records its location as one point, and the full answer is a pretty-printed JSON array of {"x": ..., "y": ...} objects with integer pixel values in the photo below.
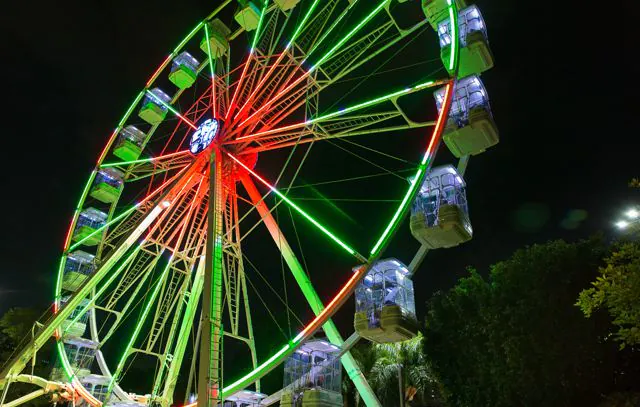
[{"x": 204, "y": 135}]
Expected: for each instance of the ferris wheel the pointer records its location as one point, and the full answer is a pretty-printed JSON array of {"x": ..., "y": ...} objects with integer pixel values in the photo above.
[{"x": 270, "y": 160}]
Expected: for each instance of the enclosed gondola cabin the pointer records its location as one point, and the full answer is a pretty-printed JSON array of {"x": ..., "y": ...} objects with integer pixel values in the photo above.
[
  {"x": 77, "y": 267},
  {"x": 244, "y": 398},
  {"x": 184, "y": 70},
  {"x": 437, "y": 11},
  {"x": 154, "y": 106},
  {"x": 470, "y": 128},
  {"x": 218, "y": 39},
  {"x": 312, "y": 376},
  {"x": 76, "y": 324},
  {"x": 286, "y": 5},
  {"x": 248, "y": 14},
  {"x": 385, "y": 304},
  {"x": 97, "y": 385},
  {"x": 80, "y": 355},
  {"x": 130, "y": 143},
  {"x": 440, "y": 214},
  {"x": 88, "y": 222},
  {"x": 475, "y": 54},
  {"x": 108, "y": 185}
]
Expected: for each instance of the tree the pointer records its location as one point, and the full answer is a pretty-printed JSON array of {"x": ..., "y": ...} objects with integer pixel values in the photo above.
[
  {"x": 381, "y": 364},
  {"x": 15, "y": 328},
  {"x": 516, "y": 338},
  {"x": 622, "y": 400},
  {"x": 617, "y": 288},
  {"x": 419, "y": 385}
]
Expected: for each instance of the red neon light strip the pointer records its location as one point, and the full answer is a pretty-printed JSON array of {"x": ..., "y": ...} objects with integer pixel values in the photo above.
[
  {"x": 276, "y": 97},
  {"x": 439, "y": 125},
  {"x": 160, "y": 68},
  {"x": 262, "y": 81},
  {"x": 342, "y": 294}
]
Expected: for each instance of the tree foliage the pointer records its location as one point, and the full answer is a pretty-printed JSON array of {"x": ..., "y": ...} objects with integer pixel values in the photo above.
[
  {"x": 381, "y": 363},
  {"x": 617, "y": 288},
  {"x": 15, "y": 325},
  {"x": 15, "y": 329},
  {"x": 516, "y": 338}
]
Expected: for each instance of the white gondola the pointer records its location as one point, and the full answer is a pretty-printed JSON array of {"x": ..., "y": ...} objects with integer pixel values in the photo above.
[
  {"x": 470, "y": 127},
  {"x": 437, "y": 11},
  {"x": 130, "y": 143},
  {"x": 312, "y": 376},
  {"x": 475, "y": 54},
  {"x": 88, "y": 222},
  {"x": 440, "y": 214},
  {"x": 184, "y": 70},
  {"x": 385, "y": 304}
]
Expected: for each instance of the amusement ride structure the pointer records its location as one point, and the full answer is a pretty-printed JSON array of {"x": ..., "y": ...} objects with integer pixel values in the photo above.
[{"x": 205, "y": 182}]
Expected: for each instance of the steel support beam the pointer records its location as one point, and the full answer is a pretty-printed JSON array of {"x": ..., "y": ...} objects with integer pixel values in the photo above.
[{"x": 349, "y": 363}]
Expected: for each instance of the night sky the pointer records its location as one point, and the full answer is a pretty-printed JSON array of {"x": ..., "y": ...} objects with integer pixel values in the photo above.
[{"x": 563, "y": 93}]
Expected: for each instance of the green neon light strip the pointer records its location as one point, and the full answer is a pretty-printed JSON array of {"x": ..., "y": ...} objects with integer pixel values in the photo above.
[
  {"x": 235, "y": 386},
  {"x": 138, "y": 328},
  {"x": 350, "y": 34},
  {"x": 188, "y": 37},
  {"x": 333, "y": 26},
  {"x": 301, "y": 211},
  {"x": 399, "y": 211},
  {"x": 133, "y": 106},
  {"x": 211, "y": 66},
  {"x": 453, "y": 17},
  {"x": 255, "y": 37},
  {"x": 302, "y": 23}
]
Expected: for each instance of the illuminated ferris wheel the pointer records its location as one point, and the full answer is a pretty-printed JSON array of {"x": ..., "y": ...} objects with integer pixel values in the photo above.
[{"x": 270, "y": 160}]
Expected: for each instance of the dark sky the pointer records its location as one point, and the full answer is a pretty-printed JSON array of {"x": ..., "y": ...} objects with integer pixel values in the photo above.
[{"x": 563, "y": 93}]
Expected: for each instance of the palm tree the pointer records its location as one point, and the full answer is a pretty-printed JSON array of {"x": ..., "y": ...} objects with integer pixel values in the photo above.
[{"x": 384, "y": 364}]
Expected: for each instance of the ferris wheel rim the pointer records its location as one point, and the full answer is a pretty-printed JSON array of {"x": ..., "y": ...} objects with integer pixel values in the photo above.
[{"x": 375, "y": 252}]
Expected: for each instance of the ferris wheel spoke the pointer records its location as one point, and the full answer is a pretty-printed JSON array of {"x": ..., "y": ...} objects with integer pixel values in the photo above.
[
  {"x": 305, "y": 285},
  {"x": 273, "y": 82},
  {"x": 252, "y": 74},
  {"x": 339, "y": 124},
  {"x": 300, "y": 211},
  {"x": 284, "y": 92},
  {"x": 140, "y": 169}
]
